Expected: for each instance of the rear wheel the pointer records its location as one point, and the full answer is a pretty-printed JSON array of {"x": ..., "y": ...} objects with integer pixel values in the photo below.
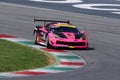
[
  {"x": 36, "y": 37},
  {"x": 34, "y": 34}
]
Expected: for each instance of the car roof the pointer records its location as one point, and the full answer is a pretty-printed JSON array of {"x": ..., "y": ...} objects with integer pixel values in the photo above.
[{"x": 55, "y": 25}]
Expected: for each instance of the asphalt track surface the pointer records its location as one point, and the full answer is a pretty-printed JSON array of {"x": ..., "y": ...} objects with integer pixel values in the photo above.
[
  {"x": 103, "y": 62},
  {"x": 112, "y": 7}
]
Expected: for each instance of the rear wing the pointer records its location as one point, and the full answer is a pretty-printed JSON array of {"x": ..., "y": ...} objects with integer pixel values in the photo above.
[{"x": 40, "y": 20}]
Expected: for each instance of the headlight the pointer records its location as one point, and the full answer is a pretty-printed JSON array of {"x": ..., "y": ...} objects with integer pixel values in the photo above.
[{"x": 83, "y": 37}]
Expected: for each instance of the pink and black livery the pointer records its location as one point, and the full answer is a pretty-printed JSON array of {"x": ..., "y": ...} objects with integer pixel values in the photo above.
[{"x": 60, "y": 34}]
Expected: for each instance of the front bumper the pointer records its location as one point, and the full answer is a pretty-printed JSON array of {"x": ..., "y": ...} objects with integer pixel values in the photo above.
[{"x": 70, "y": 43}]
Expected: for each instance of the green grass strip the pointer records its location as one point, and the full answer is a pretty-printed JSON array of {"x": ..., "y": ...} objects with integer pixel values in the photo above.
[{"x": 14, "y": 57}]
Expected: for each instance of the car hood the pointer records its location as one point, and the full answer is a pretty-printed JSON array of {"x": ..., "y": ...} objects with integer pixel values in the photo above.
[{"x": 68, "y": 35}]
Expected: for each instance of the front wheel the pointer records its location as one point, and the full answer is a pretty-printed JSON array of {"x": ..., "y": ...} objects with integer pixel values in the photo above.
[{"x": 47, "y": 43}]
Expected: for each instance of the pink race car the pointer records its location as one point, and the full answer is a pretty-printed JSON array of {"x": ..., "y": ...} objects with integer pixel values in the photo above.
[{"x": 54, "y": 34}]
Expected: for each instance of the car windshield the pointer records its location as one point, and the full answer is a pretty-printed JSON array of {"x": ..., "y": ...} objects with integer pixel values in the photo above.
[{"x": 65, "y": 29}]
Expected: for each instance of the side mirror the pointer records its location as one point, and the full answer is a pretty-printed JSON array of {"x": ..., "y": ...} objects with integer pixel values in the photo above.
[{"x": 38, "y": 26}]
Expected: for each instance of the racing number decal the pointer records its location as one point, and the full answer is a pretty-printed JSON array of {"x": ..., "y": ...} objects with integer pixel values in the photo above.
[{"x": 91, "y": 6}]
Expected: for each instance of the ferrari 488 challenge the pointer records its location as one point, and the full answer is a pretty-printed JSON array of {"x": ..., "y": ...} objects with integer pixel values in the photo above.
[{"x": 59, "y": 34}]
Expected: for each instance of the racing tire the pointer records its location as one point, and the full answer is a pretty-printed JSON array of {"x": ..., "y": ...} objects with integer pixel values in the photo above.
[
  {"x": 35, "y": 40},
  {"x": 47, "y": 43},
  {"x": 35, "y": 37}
]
